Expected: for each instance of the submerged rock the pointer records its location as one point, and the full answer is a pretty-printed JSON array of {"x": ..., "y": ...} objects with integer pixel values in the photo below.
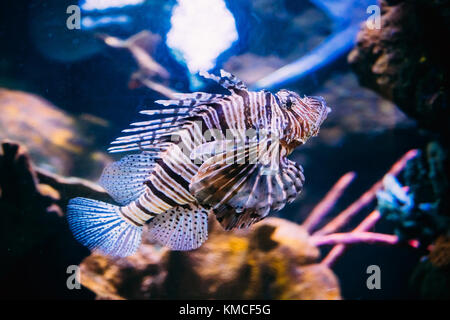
[
  {"x": 427, "y": 177},
  {"x": 56, "y": 140},
  {"x": 272, "y": 260},
  {"x": 406, "y": 60},
  {"x": 36, "y": 246},
  {"x": 431, "y": 278}
]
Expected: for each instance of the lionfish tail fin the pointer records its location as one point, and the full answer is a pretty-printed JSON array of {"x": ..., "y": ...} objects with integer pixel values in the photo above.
[{"x": 100, "y": 226}]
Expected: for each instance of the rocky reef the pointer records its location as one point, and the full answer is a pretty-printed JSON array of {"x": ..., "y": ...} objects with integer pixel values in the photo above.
[
  {"x": 406, "y": 60},
  {"x": 36, "y": 245},
  {"x": 427, "y": 178},
  {"x": 431, "y": 278},
  {"x": 57, "y": 141},
  {"x": 273, "y": 260}
]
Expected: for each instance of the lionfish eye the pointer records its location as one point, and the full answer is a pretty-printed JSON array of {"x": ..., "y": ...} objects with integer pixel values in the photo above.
[{"x": 289, "y": 104}]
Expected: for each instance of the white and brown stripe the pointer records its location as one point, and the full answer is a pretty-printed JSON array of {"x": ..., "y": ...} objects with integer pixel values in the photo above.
[{"x": 284, "y": 116}]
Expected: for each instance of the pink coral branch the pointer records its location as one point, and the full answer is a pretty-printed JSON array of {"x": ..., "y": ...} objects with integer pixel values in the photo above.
[
  {"x": 345, "y": 216},
  {"x": 354, "y": 237},
  {"x": 328, "y": 202},
  {"x": 339, "y": 249}
]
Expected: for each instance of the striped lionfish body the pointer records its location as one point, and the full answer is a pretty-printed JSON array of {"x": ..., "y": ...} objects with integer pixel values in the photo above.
[{"x": 205, "y": 153}]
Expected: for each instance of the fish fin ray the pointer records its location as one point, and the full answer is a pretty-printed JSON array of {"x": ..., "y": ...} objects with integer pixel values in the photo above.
[
  {"x": 191, "y": 99},
  {"x": 124, "y": 179},
  {"x": 226, "y": 80},
  {"x": 251, "y": 190},
  {"x": 181, "y": 228},
  {"x": 230, "y": 219},
  {"x": 152, "y": 135},
  {"x": 99, "y": 226},
  {"x": 221, "y": 176},
  {"x": 167, "y": 111}
]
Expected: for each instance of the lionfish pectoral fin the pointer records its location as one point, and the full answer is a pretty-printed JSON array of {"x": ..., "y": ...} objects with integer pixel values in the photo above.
[
  {"x": 124, "y": 179},
  {"x": 265, "y": 190},
  {"x": 229, "y": 218},
  {"x": 221, "y": 176},
  {"x": 181, "y": 228},
  {"x": 233, "y": 180},
  {"x": 100, "y": 227}
]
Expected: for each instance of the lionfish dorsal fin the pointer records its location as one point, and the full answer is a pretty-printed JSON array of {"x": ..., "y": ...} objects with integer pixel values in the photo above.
[
  {"x": 226, "y": 80},
  {"x": 124, "y": 179},
  {"x": 191, "y": 99}
]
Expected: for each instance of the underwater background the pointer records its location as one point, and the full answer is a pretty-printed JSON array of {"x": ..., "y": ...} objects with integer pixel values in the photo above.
[{"x": 66, "y": 93}]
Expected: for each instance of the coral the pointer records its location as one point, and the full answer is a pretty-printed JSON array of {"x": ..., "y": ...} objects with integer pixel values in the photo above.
[
  {"x": 34, "y": 231},
  {"x": 406, "y": 60},
  {"x": 427, "y": 179},
  {"x": 55, "y": 139},
  {"x": 427, "y": 176},
  {"x": 327, "y": 234},
  {"x": 273, "y": 260},
  {"x": 413, "y": 220},
  {"x": 431, "y": 278},
  {"x": 21, "y": 193},
  {"x": 420, "y": 210},
  {"x": 440, "y": 254},
  {"x": 151, "y": 74}
]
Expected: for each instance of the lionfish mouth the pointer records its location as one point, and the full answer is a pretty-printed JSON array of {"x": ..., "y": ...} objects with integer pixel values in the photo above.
[
  {"x": 324, "y": 110},
  {"x": 323, "y": 103}
]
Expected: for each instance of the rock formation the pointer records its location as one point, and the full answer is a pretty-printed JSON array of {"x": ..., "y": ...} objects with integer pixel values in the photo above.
[
  {"x": 272, "y": 260},
  {"x": 406, "y": 60}
]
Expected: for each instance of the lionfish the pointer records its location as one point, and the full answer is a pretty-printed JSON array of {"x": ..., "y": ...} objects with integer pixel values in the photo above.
[{"x": 197, "y": 158}]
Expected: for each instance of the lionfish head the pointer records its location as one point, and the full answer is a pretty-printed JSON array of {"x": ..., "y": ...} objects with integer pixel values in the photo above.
[{"x": 309, "y": 113}]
